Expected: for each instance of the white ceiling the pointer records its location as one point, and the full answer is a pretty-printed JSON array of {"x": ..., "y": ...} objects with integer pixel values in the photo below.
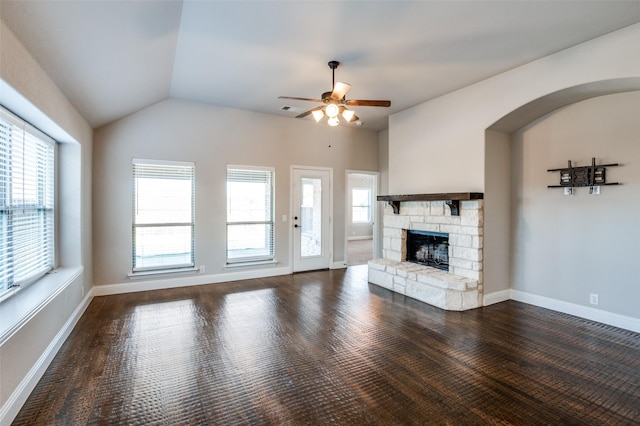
[{"x": 112, "y": 58}]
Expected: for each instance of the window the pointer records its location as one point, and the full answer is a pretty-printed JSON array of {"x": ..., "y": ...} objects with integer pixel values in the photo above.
[
  {"x": 26, "y": 203},
  {"x": 250, "y": 216},
  {"x": 163, "y": 215},
  {"x": 360, "y": 205}
]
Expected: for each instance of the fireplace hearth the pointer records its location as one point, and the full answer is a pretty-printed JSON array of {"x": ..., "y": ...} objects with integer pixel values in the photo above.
[{"x": 428, "y": 248}]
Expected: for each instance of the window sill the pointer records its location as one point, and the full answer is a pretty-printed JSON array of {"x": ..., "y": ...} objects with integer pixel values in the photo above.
[
  {"x": 249, "y": 264},
  {"x": 25, "y": 303}
]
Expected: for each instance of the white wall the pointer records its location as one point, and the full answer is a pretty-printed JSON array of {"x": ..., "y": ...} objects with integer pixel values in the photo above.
[
  {"x": 383, "y": 187},
  {"x": 29, "y": 345},
  {"x": 566, "y": 247},
  {"x": 214, "y": 137},
  {"x": 497, "y": 213},
  {"x": 438, "y": 146}
]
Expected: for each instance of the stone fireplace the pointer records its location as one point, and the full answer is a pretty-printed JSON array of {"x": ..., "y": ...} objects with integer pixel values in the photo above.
[{"x": 454, "y": 226}]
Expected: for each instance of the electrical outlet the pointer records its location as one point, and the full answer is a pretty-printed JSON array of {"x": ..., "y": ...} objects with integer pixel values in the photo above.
[
  {"x": 568, "y": 191},
  {"x": 202, "y": 269},
  {"x": 594, "y": 190},
  {"x": 593, "y": 299}
]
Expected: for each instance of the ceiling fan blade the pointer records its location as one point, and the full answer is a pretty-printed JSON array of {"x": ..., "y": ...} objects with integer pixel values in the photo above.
[
  {"x": 339, "y": 90},
  {"x": 300, "y": 99},
  {"x": 304, "y": 114},
  {"x": 362, "y": 102}
]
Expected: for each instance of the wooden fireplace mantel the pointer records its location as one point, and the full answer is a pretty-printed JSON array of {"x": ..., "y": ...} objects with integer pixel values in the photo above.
[{"x": 452, "y": 199}]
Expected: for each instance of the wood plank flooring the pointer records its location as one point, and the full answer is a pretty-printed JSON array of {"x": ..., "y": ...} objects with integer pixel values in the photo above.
[{"x": 326, "y": 347}]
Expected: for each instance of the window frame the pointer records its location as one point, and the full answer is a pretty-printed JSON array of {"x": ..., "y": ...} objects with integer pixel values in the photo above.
[
  {"x": 42, "y": 233},
  {"x": 269, "y": 221},
  {"x": 150, "y": 164},
  {"x": 368, "y": 206}
]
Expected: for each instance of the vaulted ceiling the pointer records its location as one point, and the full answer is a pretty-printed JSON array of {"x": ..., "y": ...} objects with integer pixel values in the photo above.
[{"x": 112, "y": 58}]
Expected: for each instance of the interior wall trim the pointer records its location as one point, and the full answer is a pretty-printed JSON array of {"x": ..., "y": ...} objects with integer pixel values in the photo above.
[
  {"x": 586, "y": 312},
  {"x": 16, "y": 400},
  {"x": 174, "y": 282},
  {"x": 27, "y": 303},
  {"x": 496, "y": 297}
]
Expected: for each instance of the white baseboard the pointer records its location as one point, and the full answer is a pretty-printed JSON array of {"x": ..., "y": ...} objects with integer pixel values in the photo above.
[
  {"x": 586, "y": 312},
  {"x": 496, "y": 297},
  {"x": 186, "y": 281},
  {"x": 16, "y": 400},
  {"x": 609, "y": 318},
  {"x": 338, "y": 265},
  {"x": 360, "y": 237}
]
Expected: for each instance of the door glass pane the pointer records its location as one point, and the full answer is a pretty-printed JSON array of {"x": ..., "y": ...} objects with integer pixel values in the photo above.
[{"x": 311, "y": 217}]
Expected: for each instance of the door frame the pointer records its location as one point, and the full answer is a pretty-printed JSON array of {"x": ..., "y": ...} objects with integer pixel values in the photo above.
[
  {"x": 329, "y": 220},
  {"x": 374, "y": 210}
]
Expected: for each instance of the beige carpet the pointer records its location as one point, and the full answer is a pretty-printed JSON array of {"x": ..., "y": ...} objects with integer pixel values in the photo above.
[{"x": 359, "y": 252}]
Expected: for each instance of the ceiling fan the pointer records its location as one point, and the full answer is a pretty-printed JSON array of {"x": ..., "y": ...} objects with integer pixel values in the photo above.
[{"x": 334, "y": 102}]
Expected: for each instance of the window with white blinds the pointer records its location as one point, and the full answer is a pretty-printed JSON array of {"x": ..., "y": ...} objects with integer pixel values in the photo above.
[
  {"x": 163, "y": 215},
  {"x": 361, "y": 205},
  {"x": 27, "y": 176},
  {"x": 250, "y": 215}
]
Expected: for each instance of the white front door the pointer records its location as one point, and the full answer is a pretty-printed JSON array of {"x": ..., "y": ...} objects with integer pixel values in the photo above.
[{"x": 311, "y": 198}]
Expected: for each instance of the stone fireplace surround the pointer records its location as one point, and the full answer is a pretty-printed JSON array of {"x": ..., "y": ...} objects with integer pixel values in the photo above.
[{"x": 458, "y": 289}]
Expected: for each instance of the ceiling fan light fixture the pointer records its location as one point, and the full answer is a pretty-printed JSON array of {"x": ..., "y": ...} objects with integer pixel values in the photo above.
[
  {"x": 348, "y": 115},
  {"x": 317, "y": 115},
  {"x": 332, "y": 110},
  {"x": 335, "y": 103}
]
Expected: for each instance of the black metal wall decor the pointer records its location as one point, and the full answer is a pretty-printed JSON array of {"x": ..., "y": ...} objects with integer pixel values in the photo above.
[{"x": 591, "y": 176}]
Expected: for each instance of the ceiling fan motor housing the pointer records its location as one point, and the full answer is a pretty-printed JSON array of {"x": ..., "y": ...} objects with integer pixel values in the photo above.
[{"x": 326, "y": 98}]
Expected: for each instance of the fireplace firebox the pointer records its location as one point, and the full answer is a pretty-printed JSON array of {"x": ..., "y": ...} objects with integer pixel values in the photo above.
[{"x": 428, "y": 248}]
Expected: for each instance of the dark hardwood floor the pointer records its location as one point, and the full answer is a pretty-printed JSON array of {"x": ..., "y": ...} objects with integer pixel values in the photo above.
[{"x": 328, "y": 348}]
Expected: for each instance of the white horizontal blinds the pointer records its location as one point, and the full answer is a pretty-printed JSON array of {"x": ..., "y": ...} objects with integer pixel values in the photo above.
[
  {"x": 26, "y": 202},
  {"x": 361, "y": 205},
  {"x": 250, "y": 216},
  {"x": 163, "y": 215}
]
